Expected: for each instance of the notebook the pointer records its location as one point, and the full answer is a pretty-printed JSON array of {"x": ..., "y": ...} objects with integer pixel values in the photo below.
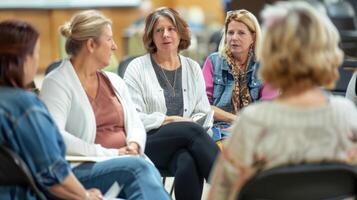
[{"x": 206, "y": 120}]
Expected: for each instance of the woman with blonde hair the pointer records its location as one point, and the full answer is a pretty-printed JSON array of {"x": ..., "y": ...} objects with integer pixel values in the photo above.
[
  {"x": 299, "y": 55},
  {"x": 95, "y": 114},
  {"x": 231, "y": 74}
]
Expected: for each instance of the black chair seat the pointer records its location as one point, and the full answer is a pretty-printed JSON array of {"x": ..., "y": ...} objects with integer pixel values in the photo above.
[
  {"x": 14, "y": 171},
  {"x": 304, "y": 181}
]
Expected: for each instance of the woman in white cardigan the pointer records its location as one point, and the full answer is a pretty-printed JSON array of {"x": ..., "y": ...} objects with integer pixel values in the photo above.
[
  {"x": 168, "y": 89},
  {"x": 94, "y": 112}
]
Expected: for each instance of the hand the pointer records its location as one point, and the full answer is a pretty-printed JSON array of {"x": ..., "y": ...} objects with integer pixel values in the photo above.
[
  {"x": 174, "y": 118},
  {"x": 94, "y": 194},
  {"x": 133, "y": 148},
  {"x": 122, "y": 151}
]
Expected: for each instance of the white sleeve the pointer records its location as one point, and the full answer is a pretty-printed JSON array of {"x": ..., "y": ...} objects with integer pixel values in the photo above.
[
  {"x": 351, "y": 89},
  {"x": 137, "y": 88},
  {"x": 58, "y": 100}
]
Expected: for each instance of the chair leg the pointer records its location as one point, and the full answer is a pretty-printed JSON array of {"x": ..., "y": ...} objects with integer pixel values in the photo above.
[{"x": 172, "y": 187}]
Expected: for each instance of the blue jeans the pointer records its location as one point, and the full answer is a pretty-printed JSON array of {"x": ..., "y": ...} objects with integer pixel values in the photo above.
[{"x": 138, "y": 178}]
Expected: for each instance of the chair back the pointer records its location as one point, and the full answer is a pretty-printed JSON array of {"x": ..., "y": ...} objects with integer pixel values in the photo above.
[
  {"x": 342, "y": 14},
  {"x": 14, "y": 171},
  {"x": 342, "y": 82},
  {"x": 53, "y": 66},
  {"x": 304, "y": 181},
  {"x": 123, "y": 65}
]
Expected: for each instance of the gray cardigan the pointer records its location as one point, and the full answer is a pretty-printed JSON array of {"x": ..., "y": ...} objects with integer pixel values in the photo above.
[{"x": 148, "y": 96}]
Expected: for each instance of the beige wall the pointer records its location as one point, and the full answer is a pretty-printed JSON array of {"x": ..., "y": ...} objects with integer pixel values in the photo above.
[
  {"x": 48, "y": 21},
  {"x": 212, "y": 8}
]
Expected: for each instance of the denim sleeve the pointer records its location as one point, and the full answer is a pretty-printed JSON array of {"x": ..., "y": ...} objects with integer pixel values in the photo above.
[
  {"x": 41, "y": 146},
  {"x": 255, "y": 84}
]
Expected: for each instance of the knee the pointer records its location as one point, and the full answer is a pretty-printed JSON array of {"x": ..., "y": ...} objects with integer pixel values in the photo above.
[
  {"x": 129, "y": 163},
  {"x": 185, "y": 161},
  {"x": 194, "y": 129},
  {"x": 137, "y": 162}
]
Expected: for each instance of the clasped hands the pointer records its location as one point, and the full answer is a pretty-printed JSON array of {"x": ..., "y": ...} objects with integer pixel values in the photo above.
[{"x": 131, "y": 149}]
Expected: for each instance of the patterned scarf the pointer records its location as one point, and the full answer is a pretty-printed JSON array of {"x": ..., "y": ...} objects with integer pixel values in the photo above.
[{"x": 241, "y": 96}]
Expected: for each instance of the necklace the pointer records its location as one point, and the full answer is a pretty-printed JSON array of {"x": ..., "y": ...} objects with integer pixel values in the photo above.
[{"x": 167, "y": 80}]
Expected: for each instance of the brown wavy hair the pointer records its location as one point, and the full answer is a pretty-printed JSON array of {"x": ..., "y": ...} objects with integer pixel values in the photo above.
[{"x": 176, "y": 19}]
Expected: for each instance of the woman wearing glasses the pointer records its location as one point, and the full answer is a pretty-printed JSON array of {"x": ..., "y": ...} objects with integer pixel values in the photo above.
[{"x": 230, "y": 74}]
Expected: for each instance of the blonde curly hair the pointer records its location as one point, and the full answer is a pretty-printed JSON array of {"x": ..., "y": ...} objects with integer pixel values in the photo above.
[{"x": 299, "y": 47}]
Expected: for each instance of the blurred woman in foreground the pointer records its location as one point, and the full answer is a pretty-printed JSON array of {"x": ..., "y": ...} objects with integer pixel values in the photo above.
[
  {"x": 299, "y": 54},
  {"x": 26, "y": 127}
]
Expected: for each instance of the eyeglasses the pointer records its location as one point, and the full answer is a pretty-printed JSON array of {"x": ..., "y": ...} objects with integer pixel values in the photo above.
[{"x": 236, "y": 12}]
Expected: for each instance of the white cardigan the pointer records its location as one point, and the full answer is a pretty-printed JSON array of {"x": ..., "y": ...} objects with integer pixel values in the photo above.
[
  {"x": 68, "y": 104},
  {"x": 351, "y": 89},
  {"x": 148, "y": 96}
]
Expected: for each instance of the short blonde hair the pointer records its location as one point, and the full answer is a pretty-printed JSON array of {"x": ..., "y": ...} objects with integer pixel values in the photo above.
[
  {"x": 246, "y": 18},
  {"x": 299, "y": 47},
  {"x": 83, "y": 26},
  {"x": 180, "y": 24}
]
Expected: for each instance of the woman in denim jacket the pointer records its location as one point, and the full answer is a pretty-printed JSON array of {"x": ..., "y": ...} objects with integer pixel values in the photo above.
[
  {"x": 25, "y": 124},
  {"x": 231, "y": 74}
]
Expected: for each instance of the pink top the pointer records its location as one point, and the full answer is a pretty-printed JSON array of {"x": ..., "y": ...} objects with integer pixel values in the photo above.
[
  {"x": 109, "y": 115},
  {"x": 268, "y": 93},
  {"x": 208, "y": 76}
]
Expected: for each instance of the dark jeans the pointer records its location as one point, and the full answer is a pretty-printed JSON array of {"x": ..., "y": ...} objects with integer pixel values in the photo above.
[{"x": 187, "y": 151}]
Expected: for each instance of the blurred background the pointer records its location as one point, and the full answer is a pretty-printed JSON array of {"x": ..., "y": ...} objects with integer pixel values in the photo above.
[{"x": 205, "y": 17}]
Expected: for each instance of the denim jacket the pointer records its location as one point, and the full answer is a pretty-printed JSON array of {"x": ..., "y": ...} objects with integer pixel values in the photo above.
[
  {"x": 27, "y": 128},
  {"x": 223, "y": 82}
]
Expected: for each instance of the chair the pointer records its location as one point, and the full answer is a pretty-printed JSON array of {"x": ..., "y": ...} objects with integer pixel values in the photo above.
[
  {"x": 303, "y": 181},
  {"x": 164, "y": 174},
  {"x": 343, "y": 16},
  {"x": 214, "y": 41},
  {"x": 342, "y": 82},
  {"x": 123, "y": 65},
  {"x": 53, "y": 66},
  {"x": 14, "y": 171}
]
